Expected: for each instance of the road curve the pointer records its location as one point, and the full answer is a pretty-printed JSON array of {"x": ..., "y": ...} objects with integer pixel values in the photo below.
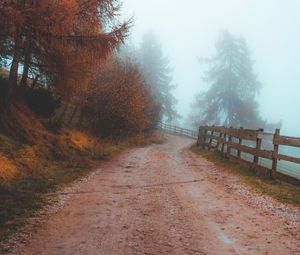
[{"x": 163, "y": 199}]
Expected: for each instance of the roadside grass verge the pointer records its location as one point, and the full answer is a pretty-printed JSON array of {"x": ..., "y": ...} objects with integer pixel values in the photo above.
[{"x": 281, "y": 191}]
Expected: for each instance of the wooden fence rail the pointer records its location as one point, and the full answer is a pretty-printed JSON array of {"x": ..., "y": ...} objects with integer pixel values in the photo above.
[
  {"x": 178, "y": 130},
  {"x": 245, "y": 145}
]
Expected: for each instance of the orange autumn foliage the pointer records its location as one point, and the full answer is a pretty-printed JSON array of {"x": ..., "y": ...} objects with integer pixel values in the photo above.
[
  {"x": 28, "y": 157},
  {"x": 80, "y": 140},
  {"x": 120, "y": 102},
  {"x": 7, "y": 168},
  {"x": 19, "y": 122},
  {"x": 58, "y": 40}
]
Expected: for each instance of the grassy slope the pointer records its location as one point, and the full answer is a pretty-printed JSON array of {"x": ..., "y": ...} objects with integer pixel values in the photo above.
[
  {"x": 279, "y": 190},
  {"x": 35, "y": 161}
]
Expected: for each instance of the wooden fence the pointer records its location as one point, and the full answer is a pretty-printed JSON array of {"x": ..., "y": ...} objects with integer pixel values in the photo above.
[
  {"x": 256, "y": 148},
  {"x": 178, "y": 130}
]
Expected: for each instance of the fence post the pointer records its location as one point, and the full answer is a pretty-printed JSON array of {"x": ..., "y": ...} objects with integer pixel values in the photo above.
[
  {"x": 223, "y": 144},
  {"x": 199, "y": 136},
  {"x": 204, "y": 138},
  {"x": 240, "y": 142},
  {"x": 218, "y": 144},
  {"x": 211, "y": 139},
  {"x": 228, "y": 145},
  {"x": 258, "y": 146},
  {"x": 276, "y": 149}
]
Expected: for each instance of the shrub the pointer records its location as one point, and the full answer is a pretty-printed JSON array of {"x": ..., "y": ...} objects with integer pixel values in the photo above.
[{"x": 121, "y": 102}]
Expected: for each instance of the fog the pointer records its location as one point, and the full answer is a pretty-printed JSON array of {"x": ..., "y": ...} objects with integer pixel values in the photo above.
[{"x": 189, "y": 29}]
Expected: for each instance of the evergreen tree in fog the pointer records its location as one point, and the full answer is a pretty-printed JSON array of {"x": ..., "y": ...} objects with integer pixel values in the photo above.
[
  {"x": 231, "y": 98},
  {"x": 158, "y": 74}
]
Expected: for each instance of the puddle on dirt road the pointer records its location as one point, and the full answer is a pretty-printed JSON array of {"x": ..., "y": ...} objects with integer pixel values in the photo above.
[{"x": 221, "y": 235}]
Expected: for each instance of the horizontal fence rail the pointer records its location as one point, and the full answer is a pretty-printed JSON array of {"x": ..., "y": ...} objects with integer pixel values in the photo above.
[
  {"x": 178, "y": 130},
  {"x": 256, "y": 148}
]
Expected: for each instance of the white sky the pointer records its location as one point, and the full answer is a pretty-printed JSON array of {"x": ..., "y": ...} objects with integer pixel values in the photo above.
[{"x": 188, "y": 30}]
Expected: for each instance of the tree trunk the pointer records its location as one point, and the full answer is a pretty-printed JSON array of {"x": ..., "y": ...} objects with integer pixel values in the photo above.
[
  {"x": 13, "y": 73},
  {"x": 62, "y": 115},
  {"x": 24, "y": 79},
  {"x": 27, "y": 60},
  {"x": 73, "y": 115}
]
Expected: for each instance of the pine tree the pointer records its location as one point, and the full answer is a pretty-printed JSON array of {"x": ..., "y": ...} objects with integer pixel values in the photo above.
[
  {"x": 158, "y": 74},
  {"x": 231, "y": 98}
]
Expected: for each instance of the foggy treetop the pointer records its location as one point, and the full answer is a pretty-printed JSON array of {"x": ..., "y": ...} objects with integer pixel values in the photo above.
[{"x": 189, "y": 30}]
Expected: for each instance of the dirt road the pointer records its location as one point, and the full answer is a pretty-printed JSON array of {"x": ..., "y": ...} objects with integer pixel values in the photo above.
[{"x": 163, "y": 199}]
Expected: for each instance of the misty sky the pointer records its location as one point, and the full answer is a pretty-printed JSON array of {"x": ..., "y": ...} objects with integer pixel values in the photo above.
[{"x": 189, "y": 29}]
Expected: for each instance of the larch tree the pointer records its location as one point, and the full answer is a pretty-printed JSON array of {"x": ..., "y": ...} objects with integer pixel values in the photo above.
[
  {"x": 158, "y": 74},
  {"x": 53, "y": 37},
  {"x": 231, "y": 98}
]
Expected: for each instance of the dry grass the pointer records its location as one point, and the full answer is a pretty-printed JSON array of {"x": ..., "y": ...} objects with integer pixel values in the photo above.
[
  {"x": 144, "y": 140},
  {"x": 28, "y": 157},
  {"x": 7, "y": 168},
  {"x": 281, "y": 191},
  {"x": 80, "y": 140}
]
